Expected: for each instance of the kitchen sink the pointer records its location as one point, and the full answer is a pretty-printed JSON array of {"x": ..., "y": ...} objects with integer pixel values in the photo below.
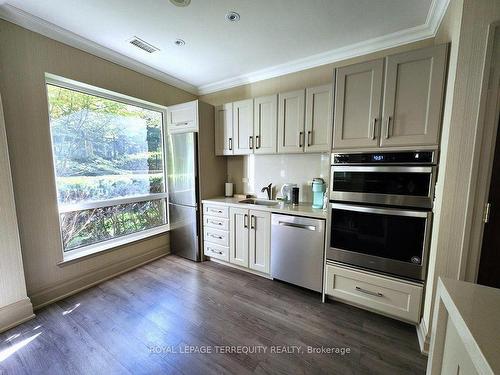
[{"x": 260, "y": 202}]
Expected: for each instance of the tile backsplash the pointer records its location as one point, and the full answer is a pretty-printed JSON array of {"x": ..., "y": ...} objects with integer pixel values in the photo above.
[{"x": 250, "y": 173}]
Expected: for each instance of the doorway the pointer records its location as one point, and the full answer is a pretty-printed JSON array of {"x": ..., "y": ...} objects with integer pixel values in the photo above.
[{"x": 489, "y": 264}]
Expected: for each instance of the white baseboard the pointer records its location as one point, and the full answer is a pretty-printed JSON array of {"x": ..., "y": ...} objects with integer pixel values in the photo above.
[
  {"x": 15, "y": 313},
  {"x": 423, "y": 338},
  {"x": 62, "y": 290}
]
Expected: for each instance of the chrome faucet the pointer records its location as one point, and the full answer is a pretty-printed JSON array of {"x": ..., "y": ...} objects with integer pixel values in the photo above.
[{"x": 269, "y": 189}]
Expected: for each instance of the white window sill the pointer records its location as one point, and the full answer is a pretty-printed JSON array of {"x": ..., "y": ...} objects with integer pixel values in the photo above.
[{"x": 99, "y": 248}]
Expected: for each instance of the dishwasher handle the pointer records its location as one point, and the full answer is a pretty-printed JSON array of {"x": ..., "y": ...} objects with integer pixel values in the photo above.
[{"x": 301, "y": 226}]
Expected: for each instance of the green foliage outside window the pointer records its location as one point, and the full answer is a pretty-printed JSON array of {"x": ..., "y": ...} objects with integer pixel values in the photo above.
[{"x": 105, "y": 149}]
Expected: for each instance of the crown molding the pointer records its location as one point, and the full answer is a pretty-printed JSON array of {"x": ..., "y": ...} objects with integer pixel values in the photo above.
[
  {"x": 429, "y": 29},
  {"x": 435, "y": 15},
  {"x": 421, "y": 32},
  {"x": 48, "y": 29}
]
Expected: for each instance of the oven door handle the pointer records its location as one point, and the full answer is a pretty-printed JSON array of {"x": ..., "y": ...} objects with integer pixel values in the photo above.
[
  {"x": 381, "y": 211},
  {"x": 385, "y": 169}
]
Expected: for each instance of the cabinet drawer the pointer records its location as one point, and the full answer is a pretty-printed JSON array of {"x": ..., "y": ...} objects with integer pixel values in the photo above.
[
  {"x": 213, "y": 250},
  {"x": 216, "y": 236},
  {"x": 377, "y": 293},
  {"x": 216, "y": 222},
  {"x": 214, "y": 210}
]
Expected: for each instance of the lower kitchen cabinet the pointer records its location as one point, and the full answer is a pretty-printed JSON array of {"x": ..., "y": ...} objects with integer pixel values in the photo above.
[
  {"x": 250, "y": 238},
  {"x": 456, "y": 359},
  {"x": 259, "y": 242},
  {"x": 383, "y": 294},
  {"x": 238, "y": 243}
]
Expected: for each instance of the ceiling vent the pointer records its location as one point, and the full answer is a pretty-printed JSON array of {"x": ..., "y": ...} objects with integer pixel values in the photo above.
[{"x": 145, "y": 46}]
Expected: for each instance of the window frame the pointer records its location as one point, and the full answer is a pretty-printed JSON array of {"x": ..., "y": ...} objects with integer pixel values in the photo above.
[{"x": 114, "y": 243}]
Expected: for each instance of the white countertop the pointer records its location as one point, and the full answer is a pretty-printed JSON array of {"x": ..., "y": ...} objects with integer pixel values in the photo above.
[
  {"x": 303, "y": 209},
  {"x": 475, "y": 310}
]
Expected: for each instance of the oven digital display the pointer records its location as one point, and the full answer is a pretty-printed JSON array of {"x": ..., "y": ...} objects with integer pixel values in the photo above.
[{"x": 378, "y": 157}]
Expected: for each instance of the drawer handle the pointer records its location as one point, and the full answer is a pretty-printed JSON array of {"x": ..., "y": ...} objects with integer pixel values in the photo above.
[
  {"x": 216, "y": 211},
  {"x": 215, "y": 222},
  {"x": 215, "y": 251},
  {"x": 376, "y": 294},
  {"x": 215, "y": 236}
]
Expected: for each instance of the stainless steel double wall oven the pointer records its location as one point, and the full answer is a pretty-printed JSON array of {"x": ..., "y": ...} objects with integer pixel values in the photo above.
[{"x": 381, "y": 206}]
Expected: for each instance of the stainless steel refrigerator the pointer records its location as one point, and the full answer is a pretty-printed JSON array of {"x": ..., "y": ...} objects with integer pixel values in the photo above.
[
  {"x": 194, "y": 172},
  {"x": 182, "y": 171}
]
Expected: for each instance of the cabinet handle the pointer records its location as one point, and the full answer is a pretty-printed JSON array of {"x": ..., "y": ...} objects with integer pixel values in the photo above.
[
  {"x": 300, "y": 139},
  {"x": 257, "y": 141},
  {"x": 216, "y": 211},
  {"x": 214, "y": 251},
  {"x": 374, "y": 127},
  {"x": 230, "y": 144},
  {"x": 387, "y": 134},
  {"x": 215, "y": 236},
  {"x": 376, "y": 294},
  {"x": 309, "y": 134},
  {"x": 215, "y": 222},
  {"x": 253, "y": 222},
  {"x": 245, "y": 221},
  {"x": 250, "y": 142}
]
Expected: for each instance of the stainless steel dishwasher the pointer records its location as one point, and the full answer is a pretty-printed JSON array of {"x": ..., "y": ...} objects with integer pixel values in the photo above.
[{"x": 297, "y": 245}]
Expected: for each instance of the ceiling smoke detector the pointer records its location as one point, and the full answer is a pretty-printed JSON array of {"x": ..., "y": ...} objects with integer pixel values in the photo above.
[
  {"x": 232, "y": 16},
  {"x": 181, "y": 3},
  {"x": 179, "y": 42}
]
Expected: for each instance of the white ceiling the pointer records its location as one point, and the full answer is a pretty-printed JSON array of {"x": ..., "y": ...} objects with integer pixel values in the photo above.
[{"x": 273, "y": 37}]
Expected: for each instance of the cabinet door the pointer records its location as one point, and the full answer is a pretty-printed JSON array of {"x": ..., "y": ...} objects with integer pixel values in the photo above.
[
  {"x": 358, "y": 95},
  {"x": 265, "y": 124},
  {"x": 291, "y": 122},
  {"x": 260, "y": 240},
  {"x": 243, "y": 127},
  {"x": 182, "y": 117},
  {"x": 224, "y": 129},
  {"x": 238, "y": 236},
  {"x": 413, "y": 97},
  {"x": 456, "y": 359},
  {"x": 319, "y": 122}
]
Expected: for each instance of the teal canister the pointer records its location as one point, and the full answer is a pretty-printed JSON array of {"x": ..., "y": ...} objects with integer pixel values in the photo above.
[{"x": 318, "y": 190}]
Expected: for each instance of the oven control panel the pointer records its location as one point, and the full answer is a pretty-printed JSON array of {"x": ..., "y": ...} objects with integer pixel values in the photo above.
[{"x": 413, "y": 157}]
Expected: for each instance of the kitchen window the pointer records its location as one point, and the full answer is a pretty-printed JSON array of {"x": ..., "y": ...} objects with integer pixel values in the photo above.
[{"x": 109, "y": 162}]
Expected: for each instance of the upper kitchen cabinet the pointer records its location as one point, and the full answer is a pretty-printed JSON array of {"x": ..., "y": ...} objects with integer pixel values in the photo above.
[
  {"x": 358, "y": 98},
  {"x": 291, "y": 119},
  {"x": 319, "y": 122},
  {"x": 183, "y": 117},
  {"x": 265, "y": 124},
  {"x": 224, "y": 129},
  {"x": 243, "y": 127},
  {"x": 413, "y": 95}
]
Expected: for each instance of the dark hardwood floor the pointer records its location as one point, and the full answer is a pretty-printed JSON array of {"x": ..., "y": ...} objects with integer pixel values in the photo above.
[{"x": 147, "y": 320}]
